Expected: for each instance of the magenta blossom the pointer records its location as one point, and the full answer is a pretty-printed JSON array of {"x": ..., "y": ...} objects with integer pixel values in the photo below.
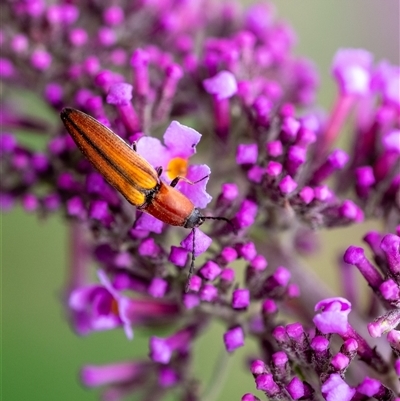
[
  {"x": 333, "y": 315},
  {"x": 180, "y": 144},
  {"x": 102, "y": 307},
  {"x": 269, "y": 156}
]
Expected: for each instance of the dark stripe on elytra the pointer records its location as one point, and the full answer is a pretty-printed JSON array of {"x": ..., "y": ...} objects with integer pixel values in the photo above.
[{"x": 108, "y": 161}]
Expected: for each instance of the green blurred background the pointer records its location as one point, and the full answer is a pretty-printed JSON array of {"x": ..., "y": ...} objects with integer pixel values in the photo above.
[{"x": 40, "y": 354}]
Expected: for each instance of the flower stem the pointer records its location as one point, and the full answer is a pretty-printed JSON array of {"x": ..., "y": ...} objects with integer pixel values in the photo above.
[{"x": 218, "y": 377}]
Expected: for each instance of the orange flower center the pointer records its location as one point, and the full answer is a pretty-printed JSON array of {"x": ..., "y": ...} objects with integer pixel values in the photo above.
[
  {"x": 177, "y": 166},
  {"x": 114, "y": 307}
]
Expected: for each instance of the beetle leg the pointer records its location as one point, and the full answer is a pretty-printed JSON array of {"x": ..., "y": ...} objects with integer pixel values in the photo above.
[
  {"x": 178, "y": 178},
  {"x": 133, "y": 146},
  {"x": 159, "y": 170}
]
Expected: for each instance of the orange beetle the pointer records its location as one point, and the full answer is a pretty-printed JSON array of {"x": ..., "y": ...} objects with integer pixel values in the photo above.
[{"x": 128, "y": 172}]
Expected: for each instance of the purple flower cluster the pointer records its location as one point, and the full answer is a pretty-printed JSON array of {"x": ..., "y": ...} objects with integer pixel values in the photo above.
[{"x": 191, "y": 70}]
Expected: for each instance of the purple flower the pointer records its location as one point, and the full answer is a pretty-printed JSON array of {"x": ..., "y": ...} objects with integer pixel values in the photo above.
[
  {"x": 178, "y": 256},
  {"x": 335, "y": 389},
  {"x": 247, "y": 213},
  {"x": 158, "y": 287},
  {"x": 213, "y": 71},
  {"x": 234, "y": 338},
  {"x": 161, "y": 349},
  {"x": 94, "y": 376},
  {"x": 96, "y": 307},
  {"x": 145, "y": 222},
  {"x": 369, "y": 387},
  {"x": 333, "y": 316},
  {"x": 351, "y": 67},
  {"x": 180, "y": 144},
  {"x": 167, "y": 377},
  {"x": 296, "y": 388},
  {"x": 240, "y": 299},
  {"x": 222, "y": 86},
  {"x": 101, "y": 307},
  {"x": 287, "y": 185},
  {"x": 210, "y": 271},
  {"x": 208, "y": 293},
  {"x": 265, "y": 382},
  {"x": 247, "y": 154},
  {"x": 201, "y": 242}
]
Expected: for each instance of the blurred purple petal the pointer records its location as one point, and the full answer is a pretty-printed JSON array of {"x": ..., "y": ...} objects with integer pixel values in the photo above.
[
  {"x": 153, "y": 151},
  {"x": 223, "y": 85},
  {"x": 202, "y": 242},
  {"x": 196, "y": 192},
  {"x": 181, "y": 140},
  {"x": 146, "y": 222}
]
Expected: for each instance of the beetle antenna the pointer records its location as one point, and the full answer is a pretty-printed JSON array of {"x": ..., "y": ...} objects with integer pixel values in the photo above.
[
  {"x": 191, "y": 269},
  {"x": 223, "y": 219}
]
